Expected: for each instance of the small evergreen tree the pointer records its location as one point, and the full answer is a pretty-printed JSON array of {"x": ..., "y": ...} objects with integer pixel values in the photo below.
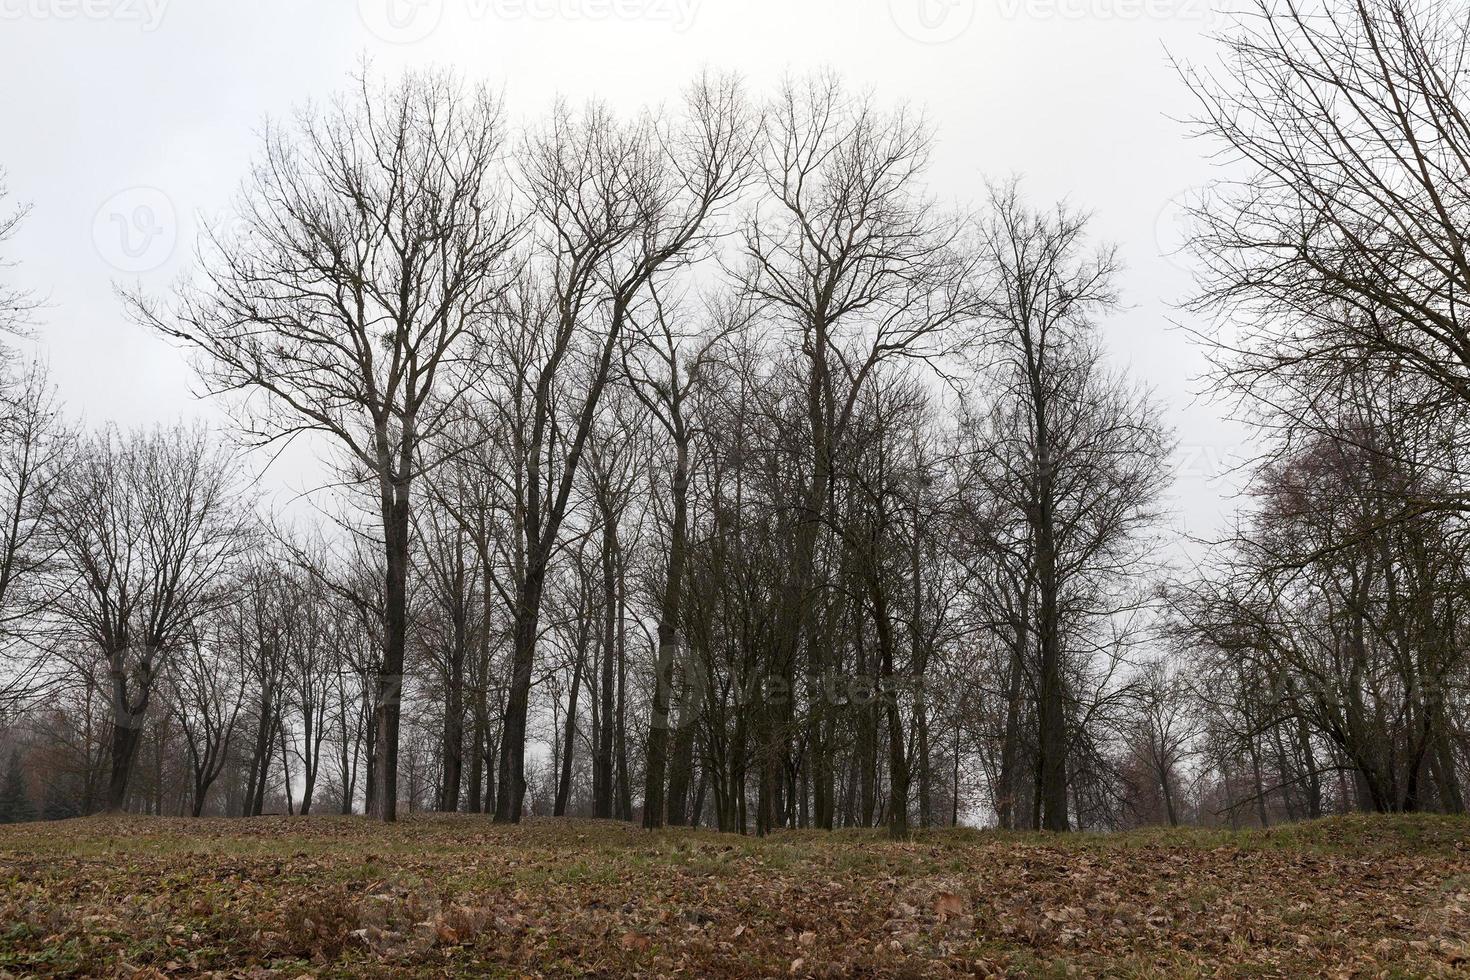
[
  {"x": 59, "y": 804},
  {"x": 15, "y": 802}
]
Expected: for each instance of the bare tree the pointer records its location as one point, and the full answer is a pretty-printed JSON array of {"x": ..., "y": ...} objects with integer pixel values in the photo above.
[
  {"x": 373, "y": 240},
  {"x": 1335, "y": 264},
  {"x": 149, "y": 526},
  {"x": 206, "y": 693},
  {"x": 613, "y": 452},
  {"x": 16, "y": 305},
  {"x": 32, "y": 437},
  {"x": 1341, "y": 609},
  {"x": 265, "y": 618},
  {"x": 1087, "y": 450},
  {"x": 847, "y": 253},
  {"x": 616, "y": 205},
  {"x": 1163, "y": 727},
  {"x": 663, "y": 367},
  {"x": 1339, "y": 244},
  {"x": 821, "y": 456},
  {"x": 577, "y": 616},
  {"x": 469, "y": 491},
  {"x": 450, "y": 563},
  {"x": 313, "y": 660},
  {"x": 33, "y": 447}
]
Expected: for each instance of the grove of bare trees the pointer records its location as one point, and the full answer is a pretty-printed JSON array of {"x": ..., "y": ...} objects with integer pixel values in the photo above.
[{"x": 698, "y": 466}]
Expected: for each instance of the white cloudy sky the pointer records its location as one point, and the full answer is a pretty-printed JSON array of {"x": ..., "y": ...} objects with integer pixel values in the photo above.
[{"x": 126, "y": 121}]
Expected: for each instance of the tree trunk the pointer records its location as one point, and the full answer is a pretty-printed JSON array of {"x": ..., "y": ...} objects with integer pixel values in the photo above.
[
  {"x": 453, "y": 750},
  {"x": 512, "y": 762},
  {"x": 475, "y": 787},
  {"x": 624, "y": 795},
  {"x": 286, "y": 771},
  {"x": 125, "y": 739},
  {"x": 569, "y": 738},
  {"x": 395, "y": 632},
  {"x": 1051, "y": 709},
  {"x": 668, "y": 640},
  {"x": 602, "y": 758},
  {"x": 1007, "y": 788},
  {"x": 1258, "y": 782},
  {"x": 898, "y": 764}
]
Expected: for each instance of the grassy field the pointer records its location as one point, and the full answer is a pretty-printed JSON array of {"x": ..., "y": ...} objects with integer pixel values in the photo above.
[{"x": 457, "y": 896}]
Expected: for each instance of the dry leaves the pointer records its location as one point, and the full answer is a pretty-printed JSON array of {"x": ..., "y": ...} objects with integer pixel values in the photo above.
[{"x": 459, "y": 896}]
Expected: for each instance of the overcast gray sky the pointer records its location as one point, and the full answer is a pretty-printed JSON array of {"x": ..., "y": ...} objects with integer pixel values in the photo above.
[{"x": 127, "y": 122}]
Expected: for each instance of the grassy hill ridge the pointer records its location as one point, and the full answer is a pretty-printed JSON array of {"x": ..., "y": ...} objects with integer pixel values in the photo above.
[{"x": 457, "y": 895}]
